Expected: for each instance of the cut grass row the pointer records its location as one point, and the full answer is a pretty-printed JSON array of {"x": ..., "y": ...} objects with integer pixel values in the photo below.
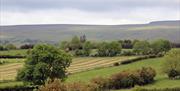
[{"x": 78, "y": 65}]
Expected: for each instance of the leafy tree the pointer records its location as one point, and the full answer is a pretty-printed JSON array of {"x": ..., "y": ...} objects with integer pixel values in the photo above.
[
  {"x": 75, "y": 43},
  {"x": 142, "y": 47},
  {"x": 43, "y": 62},
  {"x": 172, "y": 63},
  {"x": 109, "y": 49},
  {"x": 64, "y": 45},
  {"x": 10, "y": 46},
  {"x": 83, "y": 38},
  {"x": 114, "y": 48},
  {"x": 2, "y": 48},
  {"x": 160, "y": 46},
  {"x": 87, "y": 46}
]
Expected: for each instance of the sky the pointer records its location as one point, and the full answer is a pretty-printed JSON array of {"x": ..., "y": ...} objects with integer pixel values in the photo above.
[{"x": 101, "y": 12}]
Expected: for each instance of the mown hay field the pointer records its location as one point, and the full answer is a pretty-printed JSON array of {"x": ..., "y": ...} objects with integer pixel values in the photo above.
[{"x": 8, "y": 71}]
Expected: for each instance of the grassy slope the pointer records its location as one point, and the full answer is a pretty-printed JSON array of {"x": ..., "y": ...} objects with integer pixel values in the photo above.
[{"x": 161, "y": 79}]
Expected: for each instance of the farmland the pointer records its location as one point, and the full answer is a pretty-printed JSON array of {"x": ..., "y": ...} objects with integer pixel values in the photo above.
[
  {"x": 9, "y": 70},
  {"x": 84, "y": 69},
  {"x": 161, "y": 80}
]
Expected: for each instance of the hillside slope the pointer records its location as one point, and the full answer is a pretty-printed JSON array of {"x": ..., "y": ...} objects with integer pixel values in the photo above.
[{"x": 57, "y": 32}]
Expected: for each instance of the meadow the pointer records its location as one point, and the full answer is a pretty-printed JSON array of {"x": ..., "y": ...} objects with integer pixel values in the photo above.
[{"x": 83, "y": 69}]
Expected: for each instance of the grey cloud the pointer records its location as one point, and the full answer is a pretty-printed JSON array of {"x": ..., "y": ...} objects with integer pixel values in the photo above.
[{"x": 87, "y": 5}]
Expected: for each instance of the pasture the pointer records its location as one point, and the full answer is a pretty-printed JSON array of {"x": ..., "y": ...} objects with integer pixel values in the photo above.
[
  {"x": 8, "y": 70},
  {"x": 21, "y": 52},
  {"x": 161, "y": 80}
]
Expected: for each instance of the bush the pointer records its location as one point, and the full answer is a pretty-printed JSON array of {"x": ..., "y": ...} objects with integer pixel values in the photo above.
[
  {"x": 116, "y": 64},
  {"x": 101, "y": 83},
  {"x": 128, "y": 79},
  {"x": 172, "y": 63},
  {"x": 172, "y": 73},
  {"x": 145, "y": 75},
  {"x": 57, "y": 85},
  {"x": 121, "y": 80},
  {"x": 26, "y": 46}
]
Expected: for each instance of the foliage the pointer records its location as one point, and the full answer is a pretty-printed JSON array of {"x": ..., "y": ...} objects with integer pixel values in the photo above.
[
  {"x": 160, "y": 46},
  {"x": 27, "y": 46},
  {"x": 172, "y": 63},
  {"x": 75, "y": 43},
  {"x": 109, "y": 49},
  {"x": 44, "y": 61},
  {"x": 127, "y": 79},
  {"x": 142, "y": 48},
  {"x": 101, "y": 83},
  {"x": 64, "y": 45},
  {"x": 10, "y": 47},
  {"x": 2, "y": 48},
  {"x": 57, "y": 85}
]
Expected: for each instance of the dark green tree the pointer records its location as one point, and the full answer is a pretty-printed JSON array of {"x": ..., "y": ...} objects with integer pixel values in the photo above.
[
  {"x": 109, "y": 49},
  {"x": 10, "y": 46},
  {"x": 142, "y": 48},
  {"x": 75, "y": 43},
  {"x": 43, "y": 62},
  {"x": 160, "y": 46}
]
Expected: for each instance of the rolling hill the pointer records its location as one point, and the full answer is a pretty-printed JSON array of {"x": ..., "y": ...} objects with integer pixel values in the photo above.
[{"x": 57, "y": 32}]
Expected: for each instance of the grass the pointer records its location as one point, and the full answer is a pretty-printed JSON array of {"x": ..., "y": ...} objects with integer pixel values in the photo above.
[
  {"x": 10, "y": 84},
  {"x": 21, "y": 52},
  {"x": 12, "y": 60},
  {"x": 161, "y": 80},
  {"x": 9, "y": 69}
]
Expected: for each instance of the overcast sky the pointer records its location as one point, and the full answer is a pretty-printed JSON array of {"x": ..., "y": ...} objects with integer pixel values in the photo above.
[{"x": 109, "y": 12}]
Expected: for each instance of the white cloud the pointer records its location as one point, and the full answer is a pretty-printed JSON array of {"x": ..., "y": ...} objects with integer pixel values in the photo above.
[{"x": 73, "y": 16}]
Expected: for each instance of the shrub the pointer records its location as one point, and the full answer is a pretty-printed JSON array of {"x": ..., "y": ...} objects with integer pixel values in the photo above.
[
  {"x": 121, "y": 80},
  {"x": 26, "y": 46},
  {"x": 172, "y": 73},
  {"x": 146, "y": 75},
  {"x": 172, "y": 63},
  {"x": 116, "y": 64},
  {"x": 101, "y": 83},
  {"x": 56, "y": 85},
  {"x": 128, "y": 79}
]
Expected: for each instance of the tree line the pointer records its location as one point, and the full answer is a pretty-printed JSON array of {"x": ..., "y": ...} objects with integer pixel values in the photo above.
[{"x": 80, "y": 46}]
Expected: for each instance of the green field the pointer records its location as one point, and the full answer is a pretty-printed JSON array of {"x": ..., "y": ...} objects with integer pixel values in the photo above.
[
  {"x": 14, "y": 52},
  {"x": 8, "y": 70},
  {"x": 161, "y": 80}
]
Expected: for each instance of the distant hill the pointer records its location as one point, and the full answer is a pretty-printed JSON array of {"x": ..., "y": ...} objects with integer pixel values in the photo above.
[{"x": 57, "y": 32}]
